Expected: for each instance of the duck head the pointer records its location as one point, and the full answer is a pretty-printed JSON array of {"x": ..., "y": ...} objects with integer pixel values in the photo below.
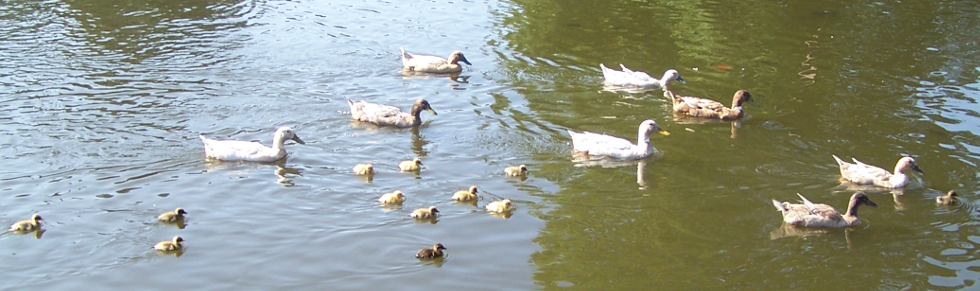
[
  {"x": 422, "y": 104},
  {"x": 284, "y": 133},
  {"x": 457, "y": 56}
]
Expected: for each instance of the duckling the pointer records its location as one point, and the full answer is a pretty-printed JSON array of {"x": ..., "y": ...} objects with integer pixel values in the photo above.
[
  {"x": 711, "y": 109},
  {"x": 433, "y": 64},
  {"x": 170, "y": 246},
  {"x": 515, "y": 171},
  {"x": 434, "y": 252},
  {"x": 863, "y": 174},
  {"x": 500, "y": 206},
  {"x": 381, "y": 114},
  {"x": 364, "y": 169},
  {"x": 392, "y": 198},
  {"x": 425, "y": 213},
  {"x": 236, "y": 150},
  {"x": 594, "y": 144},
  {"x": 172, "y": 216},
  {"x": 464, "y": 195},
  {"x": 410, "y": 166},
  {"x": 948, "y": 199},
  {"x": 823, "y": 215},
  {"x": 27, "y": 225}
]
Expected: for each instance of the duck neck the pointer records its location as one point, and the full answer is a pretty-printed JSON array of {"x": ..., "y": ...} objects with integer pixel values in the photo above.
[
  {"x": 852, "y": 208},
  {"x": 279, "y": 142},
  {"x": 416, "y": 113},
  {"x": 641, "y": 141}
]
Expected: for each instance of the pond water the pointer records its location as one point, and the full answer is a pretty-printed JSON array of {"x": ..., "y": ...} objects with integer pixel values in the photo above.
[{"x": 104, "y": 102}]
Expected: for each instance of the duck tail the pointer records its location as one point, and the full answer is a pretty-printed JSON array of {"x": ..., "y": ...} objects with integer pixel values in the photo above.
[
  {"x": 779, "y": 205},
  {"x": 625, "y": 69},
  {"x": 405, "y": 56},
  {"x": 839, "y": 161}
]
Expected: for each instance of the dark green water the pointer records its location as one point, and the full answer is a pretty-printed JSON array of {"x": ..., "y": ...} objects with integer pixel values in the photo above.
[{"x": 104, "y": 102}]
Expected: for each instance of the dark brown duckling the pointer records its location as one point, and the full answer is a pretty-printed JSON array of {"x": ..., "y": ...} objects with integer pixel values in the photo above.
[{"x": 431, "y": 253}]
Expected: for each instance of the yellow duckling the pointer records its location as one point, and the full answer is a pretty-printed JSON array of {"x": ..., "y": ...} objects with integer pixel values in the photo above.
[
  {"x": 464, "y": 195},
  {"x": 425, "y": 213},
  {"x": 515, "y": 171},
  {"x": 172, "y": 216},
  {"x": 170, "y": 246},
  {"x": 392, "y": 198},
  {"x": 410, "y": 166},
  {"x": 948, "y": 199},
  {"x": 364, "y": 169},
  {"x": 500, "y": 206},
  {"x": 431, "y": 253},
  {"x": 27, "y": 225}
]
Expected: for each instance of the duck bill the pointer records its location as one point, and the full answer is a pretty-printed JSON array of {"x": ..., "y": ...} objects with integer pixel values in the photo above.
[
  {"x": 296, "y": 138},
  {"x": 432, "y": 111},
  {"x": 679, "y": 79},
  {"x": 916, "y": 168},
  {"x": 872, "y": 204},
  {"x": 464, "y": 60}
]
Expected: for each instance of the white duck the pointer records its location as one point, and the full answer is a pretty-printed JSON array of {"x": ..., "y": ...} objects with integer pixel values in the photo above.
[
  {"x": 595, "y": 144},
  {"x": 630, "y": 78},
  {"x": 235, "y": 150},
  {"x": 433, "y": 64},
  {"x": 381, "y": 114},
  {"x": 822, "y": 215},
  {"x": 864, "y": 174}
]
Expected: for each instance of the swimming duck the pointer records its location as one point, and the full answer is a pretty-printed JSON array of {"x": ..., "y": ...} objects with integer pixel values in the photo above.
[
  {"x": 707, "y": 108},
  {"x": 170, "y": 246},
  {"x": 27, "y": 225},
  {"x": 410, "y": 165},
  {"x": 464, "y": 195},
  {"x": 595, "y": 144},
  {"x": 822, "y": 215},
  {"x": 948, "y": 199},
  {"x": 425, "y": 213},
  {"x": 863, "y": 174},
  {"x": 235, "y": 150},
  {"x": 630, "y": 78},
  {"x": 381, "y": 114},
  {"x": 515, "y": 171},
  {"x": 172, "y": 216},
  {"x": 434, "y": 252},
  {"x": 433, "y": 64},
  {"x": 500, "y": 206},
  {"x": 363, "y": 169},
  {"x": 392, "y": 198}
]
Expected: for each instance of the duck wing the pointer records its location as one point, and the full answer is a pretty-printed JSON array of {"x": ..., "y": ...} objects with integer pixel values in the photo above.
[
  {"x": 235, "y": 150},
  {"x": 600, "y": 144}
]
